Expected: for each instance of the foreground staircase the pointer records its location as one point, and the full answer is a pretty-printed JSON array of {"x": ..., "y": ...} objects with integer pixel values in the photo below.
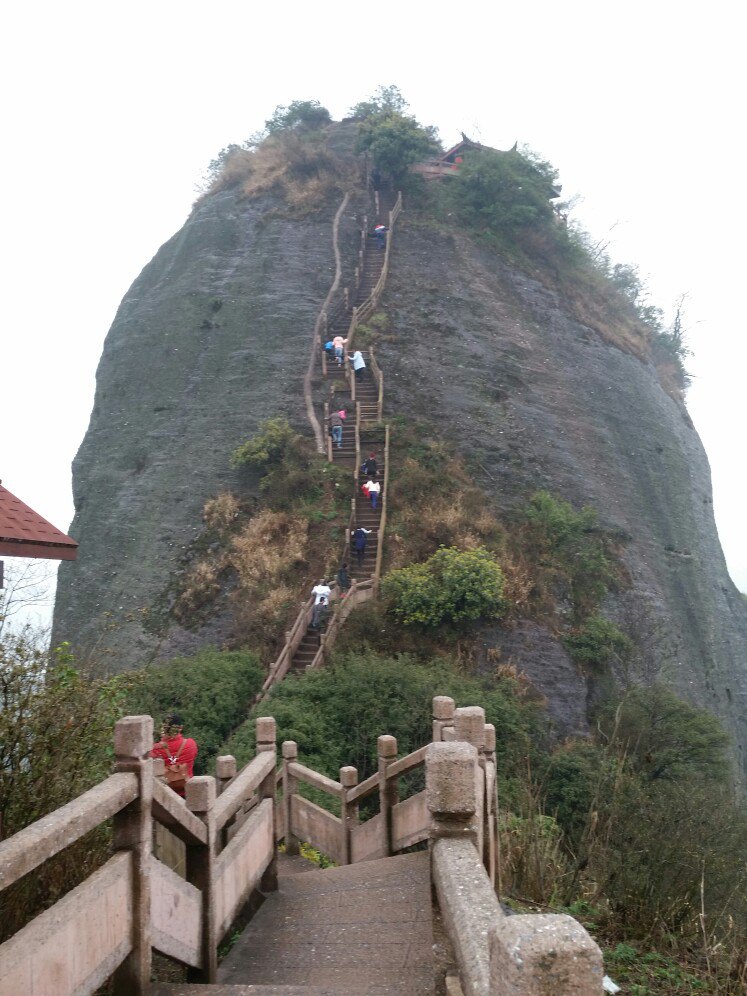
[{"x": 359, "y": 929}]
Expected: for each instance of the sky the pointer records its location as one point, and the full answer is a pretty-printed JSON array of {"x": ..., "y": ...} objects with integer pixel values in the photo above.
[{"x": 112, "y": 112}]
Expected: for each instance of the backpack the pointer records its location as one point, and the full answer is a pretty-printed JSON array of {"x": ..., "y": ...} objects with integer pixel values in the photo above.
[{"x": 328, "y": 346}]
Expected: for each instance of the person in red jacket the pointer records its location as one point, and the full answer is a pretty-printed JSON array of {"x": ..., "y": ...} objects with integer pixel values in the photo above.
[{"x": 175, "y": 749}]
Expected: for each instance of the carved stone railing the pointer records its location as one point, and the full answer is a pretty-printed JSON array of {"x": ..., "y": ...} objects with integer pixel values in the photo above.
[
  {"x": 230, "y": 826},
  {"x": 109, "y": 925}
]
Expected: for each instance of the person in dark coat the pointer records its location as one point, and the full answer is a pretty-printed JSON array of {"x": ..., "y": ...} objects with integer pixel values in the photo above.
[
  {"x": 360, "y": 537},
  {"x": 343, "y": 580}
]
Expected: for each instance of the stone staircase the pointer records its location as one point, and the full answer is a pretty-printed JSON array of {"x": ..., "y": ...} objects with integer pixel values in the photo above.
[{"x": 358, "y": 929}]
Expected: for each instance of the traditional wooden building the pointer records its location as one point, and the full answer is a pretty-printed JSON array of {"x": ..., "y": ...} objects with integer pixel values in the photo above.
[
  {"x": 449, "y": 162},
  {"x": 25, "y": 533}
]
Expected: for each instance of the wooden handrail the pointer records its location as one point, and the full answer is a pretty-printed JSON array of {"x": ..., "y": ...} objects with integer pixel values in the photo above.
[
  {"x": 31, "y": 847},
  {"x": 382, "y": 521}
]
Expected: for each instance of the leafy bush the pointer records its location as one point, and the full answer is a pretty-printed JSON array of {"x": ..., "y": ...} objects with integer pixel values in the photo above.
[
  {"x": 597, "y": 643},
  {"x": 395, "y": 141},
  {"x": 503, "y": 192},
  {"x": 290, "y": 468},
  {"x": 212, "y": 692},
  {"x": 336, "y": 714},
  {"x": 55, "y": 743},
  {"x": 452, "y": 586},
  {"x": 298, "y": 114},
  {"x": 663, "y": 737},
  {"x": 569, "y": 547}
]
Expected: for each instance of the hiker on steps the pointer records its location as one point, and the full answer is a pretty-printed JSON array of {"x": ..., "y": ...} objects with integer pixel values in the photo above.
[
  {"x": 343, "y": 580},
  {"x": 320, "y": 613},
  {"x": 338, "y": 344},
  {"x": 359, "y": 364},
  {"x": 380, "y": 235},
  {"x": 372, "y": 489},
  {"x": 320, "y": 591},
  {"x": 360, "y": 537},
  {"x": 335, "y": 427},
  {"x": 370, "y": 468}
]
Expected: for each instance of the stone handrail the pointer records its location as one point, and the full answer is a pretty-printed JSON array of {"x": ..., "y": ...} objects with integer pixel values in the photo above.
[
  {"x": 31, "y": 847},
  {"x": 109, "y": 924},
  {"x": 148, "y": 906},
  {"x": 522, "y": 955}
]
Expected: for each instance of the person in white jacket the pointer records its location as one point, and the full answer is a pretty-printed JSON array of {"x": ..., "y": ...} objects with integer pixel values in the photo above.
[{"x": 359, "y": 364}]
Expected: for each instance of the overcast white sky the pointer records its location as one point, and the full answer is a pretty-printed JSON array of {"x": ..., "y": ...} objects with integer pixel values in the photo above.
[{"x": 113, "y": 110}]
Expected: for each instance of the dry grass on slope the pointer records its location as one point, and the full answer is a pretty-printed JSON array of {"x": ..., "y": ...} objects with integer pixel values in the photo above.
[{"x": 298, "y": 169}]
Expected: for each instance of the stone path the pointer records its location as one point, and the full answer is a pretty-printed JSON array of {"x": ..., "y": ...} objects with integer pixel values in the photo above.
[{"x": 363, "y": 929}]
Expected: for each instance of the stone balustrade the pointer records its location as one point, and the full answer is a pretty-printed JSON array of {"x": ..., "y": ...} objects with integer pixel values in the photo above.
[{"x": 228, "y": 828}]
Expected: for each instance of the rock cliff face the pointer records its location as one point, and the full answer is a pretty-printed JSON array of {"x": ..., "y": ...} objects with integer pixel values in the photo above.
[{"x": 215, "y": 335}]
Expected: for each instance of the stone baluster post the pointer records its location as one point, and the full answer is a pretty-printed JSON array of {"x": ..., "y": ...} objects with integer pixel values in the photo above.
[
  {"x": 388, "y": 795},
  {"x": 348, "y": 812},
  {"x": 490, "y": 822},
  {"x": 266, "y": 732},
  {"x": 290, "y": 784},
  {"x": 133, "y": 831},
  {"x": 443, "y": 715},
  {"x": 200, "y": 799},
  {"x": 225, "y": 771},
  {"x": 541, "y": 952},
  {"x": 451, "y": 791},
  {"x": 469, "y": 726}
]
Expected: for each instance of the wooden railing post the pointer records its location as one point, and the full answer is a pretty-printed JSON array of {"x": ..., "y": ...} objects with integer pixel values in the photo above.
[
  {"x": 266, "y": 731},
  {"x": 200, "y": 799},
  {"x": 133, "y": 739},
  {"x": 443, "y": 715},
  {"x": 290, "y": 784},
  {"x": 348, "y": 811},
  {"x": 388, "y": 796}
]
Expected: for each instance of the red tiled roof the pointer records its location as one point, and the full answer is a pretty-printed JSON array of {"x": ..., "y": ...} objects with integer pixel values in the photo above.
[{"x": 24, "y": 533}]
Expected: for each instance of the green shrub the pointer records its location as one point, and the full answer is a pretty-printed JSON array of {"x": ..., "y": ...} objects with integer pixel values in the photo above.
[
  {"x": 336, "y": 714},
  {"x": 570, "y": 547},
  {"x": 597, "y": 643},
  {"x": 299, "y": 114},
  {"x": 452, "y": 586},
  {"x": 663, "y": 737},
  {"x": 503, "y": 192},
  {"x": 291, "y": 470},
  {"x": 55, "y": 743},
  {"x": 395, "y": 141},
  {"x": 212, "y": 692}
]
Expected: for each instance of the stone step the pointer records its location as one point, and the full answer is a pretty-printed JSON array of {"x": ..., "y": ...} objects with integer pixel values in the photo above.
[
  {"x": 357, "y": 929},
  {"x": 171, "y": 989}
]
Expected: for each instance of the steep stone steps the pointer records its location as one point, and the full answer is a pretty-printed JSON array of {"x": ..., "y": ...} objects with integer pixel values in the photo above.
[{"x": 362, "y": 928}]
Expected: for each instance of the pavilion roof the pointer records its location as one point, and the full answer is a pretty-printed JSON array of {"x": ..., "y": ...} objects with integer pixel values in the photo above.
[{"x": 25, "y": 533}]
